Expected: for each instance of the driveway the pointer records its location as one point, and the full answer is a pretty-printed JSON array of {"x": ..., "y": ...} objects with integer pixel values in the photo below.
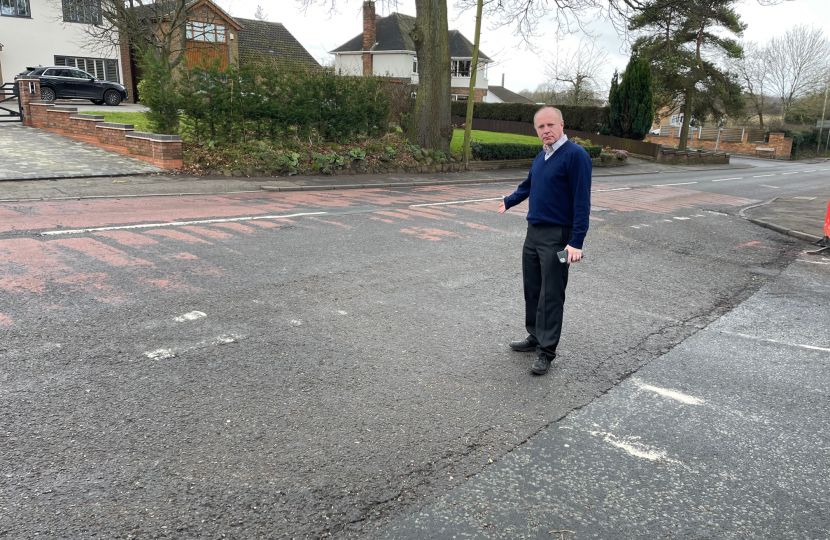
[{"x": 30, "y": 153}]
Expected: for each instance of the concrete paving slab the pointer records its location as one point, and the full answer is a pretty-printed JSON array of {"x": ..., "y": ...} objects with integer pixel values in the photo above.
[
  {"x": 805, "y": 212},
  {"x": 32, "y": 153}
]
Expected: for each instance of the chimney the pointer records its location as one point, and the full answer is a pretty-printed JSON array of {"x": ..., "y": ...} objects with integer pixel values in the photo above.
[
  {"x": 502, "y": 80},
  {"x": 369, "y": 35}
]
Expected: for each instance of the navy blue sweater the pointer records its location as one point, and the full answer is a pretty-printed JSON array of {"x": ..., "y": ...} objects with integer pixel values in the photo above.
[{"x": 559, "y": 191}]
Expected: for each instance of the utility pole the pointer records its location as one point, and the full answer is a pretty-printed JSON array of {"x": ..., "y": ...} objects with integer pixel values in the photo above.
[
  {"x": 720, "y": 129},
  {"x": 821, "y": 125},
  {"x": 468, "y": 126}
]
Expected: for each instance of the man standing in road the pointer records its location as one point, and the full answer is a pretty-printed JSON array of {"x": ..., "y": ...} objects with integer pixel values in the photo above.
[{"x": 559, "y": 188}]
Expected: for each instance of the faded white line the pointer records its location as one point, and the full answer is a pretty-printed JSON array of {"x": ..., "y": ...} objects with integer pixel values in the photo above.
[
  {"x": 786, "y": 173},
  {"x": 824, "y": 169},
  {"x": 178, "y": 223},
  {"x": 680, "y": 217},
  {"x": 773, "y": 187},
  {"x": 673, "y": 394},
  {"x": 192, "y": 316},
  {"x": 161, "y": 354},
  {"x": 678, "y": 184},
  {"x": 615, "y": 189},
  {"x": 726, "y": 179},
  {"x": 456, "y": 202},
  {"x": 762, "y": 175},
  {"x": 812, "y": 262},
  {"x": 811, "y": 170},
  {"x": 632, "y": 446},
  {"x": 800, "y": 345},
  {"x": 804, "y": 198}
]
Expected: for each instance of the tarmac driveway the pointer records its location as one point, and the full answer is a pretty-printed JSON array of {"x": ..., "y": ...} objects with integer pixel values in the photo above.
[{"x": 28, "y": 153}]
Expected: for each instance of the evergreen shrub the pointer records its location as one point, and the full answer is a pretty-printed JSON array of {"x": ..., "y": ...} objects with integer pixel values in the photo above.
[{"x": 490, "y": 151}]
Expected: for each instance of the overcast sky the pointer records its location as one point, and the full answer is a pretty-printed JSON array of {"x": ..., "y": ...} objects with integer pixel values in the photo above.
[{"x": 320, "y": 31}]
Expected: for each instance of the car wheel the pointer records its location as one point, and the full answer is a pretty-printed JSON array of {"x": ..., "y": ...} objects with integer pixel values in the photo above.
[
  {"x": 47, "y": 94},
  {"x": 112, "y": 98},
  {"x": 97, "y": 101}
]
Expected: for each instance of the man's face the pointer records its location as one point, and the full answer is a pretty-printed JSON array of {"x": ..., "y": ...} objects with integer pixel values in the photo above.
[{"x": 549, "y": 126}]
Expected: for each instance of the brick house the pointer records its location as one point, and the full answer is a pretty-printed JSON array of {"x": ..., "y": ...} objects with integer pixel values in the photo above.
[{"x": 386, "y": 49}]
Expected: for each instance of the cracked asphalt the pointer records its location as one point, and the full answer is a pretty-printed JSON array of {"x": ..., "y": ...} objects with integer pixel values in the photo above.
[{"x": 341, "y": 374}]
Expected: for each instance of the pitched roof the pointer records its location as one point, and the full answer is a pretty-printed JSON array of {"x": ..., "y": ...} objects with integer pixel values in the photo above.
[
  {"x": 507, "y": 96},
  {"x": 262, "y": 39},
  {"x": 167, "y": 9},
  {"x": 392, "y": 34}
]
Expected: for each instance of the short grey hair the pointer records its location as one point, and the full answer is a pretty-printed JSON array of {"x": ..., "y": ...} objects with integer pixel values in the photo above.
[{"x": 558, "y": 112}]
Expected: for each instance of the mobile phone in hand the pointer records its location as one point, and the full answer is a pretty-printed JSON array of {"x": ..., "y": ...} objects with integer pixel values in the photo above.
[{"x": 563, "y": 256}]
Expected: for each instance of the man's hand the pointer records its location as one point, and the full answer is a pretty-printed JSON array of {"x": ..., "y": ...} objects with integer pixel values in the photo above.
[
  {"x": 574, "y": 255},
  {"x": 502, "y": 208}
]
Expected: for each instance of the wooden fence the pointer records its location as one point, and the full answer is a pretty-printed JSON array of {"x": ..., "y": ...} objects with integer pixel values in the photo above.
[{"x": 523, "y": 128}]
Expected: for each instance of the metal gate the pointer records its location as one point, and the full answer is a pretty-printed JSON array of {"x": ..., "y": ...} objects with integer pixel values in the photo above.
[{"x": 8, "y": 99}]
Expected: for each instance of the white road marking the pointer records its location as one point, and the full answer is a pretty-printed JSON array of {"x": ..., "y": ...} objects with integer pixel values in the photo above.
[
  {"x": 804, "y": 198},
  {"x": 640, "y": 225},
  {"x": 615, "y": 189},
  {"x": 800, "y": 345},
  {"x": 773, "y": 187},
  {"x": 673, "y": 394},
  {"x": 456, "y": 202},
  {"x": 296, "y": 323},
  {"x": 192, "y": 316},
  {"x": 812, "y": 262},
  {"x": 811, "y": 170},
  {"x": 161, "y": 354},
  {"x": 635, "y": 448},
  {"x": 786, "y": 173},
  {"x": 726, "y": 179},
  {"x": 341, "y": 312},
  {"x": 824, "y": 169},
  {"x": 717, "y": 213},
  {"x": 678, "y": 184},
  {"x": 178, "y": 223},
  {"x": 762, "y": 175},
  {"x": 680, "y": 217}
]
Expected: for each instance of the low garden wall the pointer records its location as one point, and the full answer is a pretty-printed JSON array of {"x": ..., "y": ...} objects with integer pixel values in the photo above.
[
  {"x": 778, "y": 146},
  {"x": 163, "y": 151}
]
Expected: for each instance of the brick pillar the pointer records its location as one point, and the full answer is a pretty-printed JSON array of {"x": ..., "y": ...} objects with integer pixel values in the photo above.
[
  {"x": 27, "y": 96},
  {"x": 126, "y": 69},
  {"x": 369, "y": 36}
]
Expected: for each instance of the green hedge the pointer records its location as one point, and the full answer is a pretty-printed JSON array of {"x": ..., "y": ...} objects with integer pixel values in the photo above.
[
  {"x": 593, "y": 151},
  {"x": 490, "y": 151},
  {"x": 576, "y": 118}
]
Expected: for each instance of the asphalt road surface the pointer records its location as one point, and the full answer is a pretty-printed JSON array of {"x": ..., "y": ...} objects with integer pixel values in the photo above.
[{"x": 334, "y": 364}]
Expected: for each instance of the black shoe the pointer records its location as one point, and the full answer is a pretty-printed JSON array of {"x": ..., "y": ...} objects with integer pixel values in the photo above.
[
  {"x": 541, "y": 365},
  {"x": 528, "y": 344}
]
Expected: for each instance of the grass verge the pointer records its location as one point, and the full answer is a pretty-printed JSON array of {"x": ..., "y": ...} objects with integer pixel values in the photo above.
[
  {"x": 138, "y": 119},
  {"x": 490, "y": 137}
]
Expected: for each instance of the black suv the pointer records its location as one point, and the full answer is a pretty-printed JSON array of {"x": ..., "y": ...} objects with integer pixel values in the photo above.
[{"x": 58, "y": 82}]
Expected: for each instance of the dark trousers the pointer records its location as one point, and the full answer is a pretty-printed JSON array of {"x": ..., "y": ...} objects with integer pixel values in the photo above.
[{"x": 545, "y": 279}]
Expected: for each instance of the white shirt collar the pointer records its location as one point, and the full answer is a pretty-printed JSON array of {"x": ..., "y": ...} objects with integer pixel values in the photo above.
[{"x": 555, "y": 146}]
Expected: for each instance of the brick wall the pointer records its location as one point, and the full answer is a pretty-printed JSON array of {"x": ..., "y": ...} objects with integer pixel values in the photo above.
[
  {"x": 479, "y": 93},
  {"x": 781, "y": 146},
  {"x": 163, "y": 151}
]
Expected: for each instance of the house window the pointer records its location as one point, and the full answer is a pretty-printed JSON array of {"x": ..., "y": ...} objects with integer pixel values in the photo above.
[
  {"x": 460, "y": 97},
  {"x": 15, "y": 8},
  {"x": 82, "y": 11},
  {"x": 202, "y": 31},
  {"x": 460, "y": 68},
  {"x": 414, "y": 64},
  {"x": 677, "y": 119},
  {"x": 103, "y": 68}
]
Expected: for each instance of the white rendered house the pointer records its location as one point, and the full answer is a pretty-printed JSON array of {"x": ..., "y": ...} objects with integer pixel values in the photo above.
[
  {"x": 385, "y": 49},
  {"x": 51, "y": 32}
]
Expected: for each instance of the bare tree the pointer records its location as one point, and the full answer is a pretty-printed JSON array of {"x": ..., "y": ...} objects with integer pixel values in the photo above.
[
  {"x": 578, "y": 73},
  {"x": 798, "y": 64},
  {"x": 260, "y": 14},
  {"x": 753, "y": 69}
]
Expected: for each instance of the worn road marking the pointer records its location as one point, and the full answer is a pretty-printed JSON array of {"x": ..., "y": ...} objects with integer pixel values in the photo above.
[
  {"x": 812, "y": 262},
  {"x": 635, "y": 448},
  {"x": 673, "y": 394},
  {"x": 725, "y": 179},
  {"x": 811, "y": 170},
  {"x": 178, "y": 223},
  {"x": 680, "y": 217},
  {"x": 786, "y": 173},
  {"x": 773, "y": 187},
  {"x": 678, "y": 184},
  {"x": 456, "y": 202},
  {"x": 192, "y": 316},
  {"x": 605, "y": 190},
  {"x": 804, "y": 198},
  {"x": 161, "y": 354},
  {"x": 762, "y": 175},
  {"x": 800, "y": 345}
]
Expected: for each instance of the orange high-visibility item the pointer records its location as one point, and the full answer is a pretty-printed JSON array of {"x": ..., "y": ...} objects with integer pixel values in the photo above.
[{"x": 827, "y": 222}]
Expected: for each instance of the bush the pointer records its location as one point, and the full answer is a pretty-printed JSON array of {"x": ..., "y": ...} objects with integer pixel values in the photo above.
[
  {"x": 804, "y": 140},
  {"x": 157, "y": 92},
  {"x": 233, "y": 105},
  {"x": 576, "y": 118},
  {"x": 490, "y": 151},
  {"x": 593, "y": 150}
]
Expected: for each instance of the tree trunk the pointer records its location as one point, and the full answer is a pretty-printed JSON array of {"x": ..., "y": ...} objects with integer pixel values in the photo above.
[
  {"x": 431, "y": 123},
  {"x": 687, "y": 117}
]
